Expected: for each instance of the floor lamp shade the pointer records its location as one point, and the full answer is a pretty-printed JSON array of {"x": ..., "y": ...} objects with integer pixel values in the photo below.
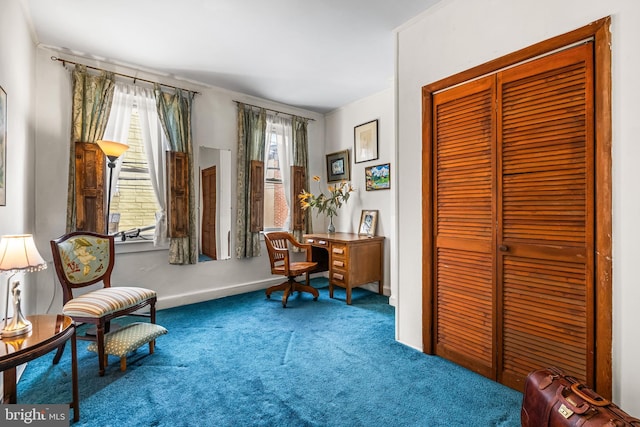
[
  {"x": 18, "y": 253},
  {"x": 112, "y": 150}
]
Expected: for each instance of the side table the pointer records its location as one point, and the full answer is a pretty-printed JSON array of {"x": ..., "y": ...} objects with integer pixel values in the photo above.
[{"x": 49, "y": 331}]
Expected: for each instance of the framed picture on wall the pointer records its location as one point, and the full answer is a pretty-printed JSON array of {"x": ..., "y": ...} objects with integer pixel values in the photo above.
[
  {"x": 3, "y": 147},
  {"x": 377, "y": 177},
  {"x": 368, "y": 222},
  {"x": 338, "y": 166},
  {"x": 365, "y": 141}
]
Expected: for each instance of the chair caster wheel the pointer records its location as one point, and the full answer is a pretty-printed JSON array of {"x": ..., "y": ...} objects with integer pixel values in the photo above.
[
  {"x": 315, "y": 298},
  {"x": 268, "y": 296}
]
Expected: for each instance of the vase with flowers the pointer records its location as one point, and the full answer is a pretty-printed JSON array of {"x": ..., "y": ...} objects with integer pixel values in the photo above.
[{"x": 329, "y": 203}]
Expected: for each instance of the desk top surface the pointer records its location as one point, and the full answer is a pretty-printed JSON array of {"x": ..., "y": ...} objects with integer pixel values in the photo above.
[{"x": 339, "y": 237}]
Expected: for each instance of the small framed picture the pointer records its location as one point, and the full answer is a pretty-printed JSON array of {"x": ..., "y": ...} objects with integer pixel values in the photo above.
[
  {"x": 365, "y": 142},
  {"x": 368, "y": 222},
  {"x": 377, "y": 177},
  {"x": 338, "y": 166}
]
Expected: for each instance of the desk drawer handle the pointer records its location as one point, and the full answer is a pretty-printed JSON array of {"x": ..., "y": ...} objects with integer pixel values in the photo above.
[
  {"x": 338, "y": 263},
  {"x": 322, "y": 242},
  {"x": 309, "y": 240},
  {"x": 338, "y": 250},
  {"x": 338, "y": 276}
]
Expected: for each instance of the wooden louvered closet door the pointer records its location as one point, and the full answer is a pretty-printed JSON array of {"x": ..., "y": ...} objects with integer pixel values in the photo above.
[
  {"x": 464, "y": 217},
  {"x": 514, "y": 219},
  {"x": 546, "y": 223}
]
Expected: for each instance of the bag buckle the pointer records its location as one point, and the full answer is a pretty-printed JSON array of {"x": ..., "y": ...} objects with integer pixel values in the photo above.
[{"x": 564, "y": 411}]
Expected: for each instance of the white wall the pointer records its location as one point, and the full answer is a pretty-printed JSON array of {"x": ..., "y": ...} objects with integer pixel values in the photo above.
[
  {"x": 17, "y": 71},
  {"x": 214, "y": 125},
  {"x": 339, "y": 136},
  {"x": 456, "y": 35}
]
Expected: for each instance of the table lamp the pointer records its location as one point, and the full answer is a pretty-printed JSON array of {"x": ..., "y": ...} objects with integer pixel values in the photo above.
[
  {"x": 18, "y": 253},
  {"x": 112, "y": 150}
]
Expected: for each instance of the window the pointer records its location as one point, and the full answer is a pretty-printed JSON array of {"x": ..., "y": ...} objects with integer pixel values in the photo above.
[
  {"x": 133, "y": 203},
  {"x": 276, "y": 174},
  {"x": 139, "y": 183}
]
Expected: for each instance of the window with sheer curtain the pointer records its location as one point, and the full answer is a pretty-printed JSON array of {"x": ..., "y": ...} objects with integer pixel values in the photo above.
[
  {"x": 277, "y": 161},
  {"x": 137, "y": 197}
]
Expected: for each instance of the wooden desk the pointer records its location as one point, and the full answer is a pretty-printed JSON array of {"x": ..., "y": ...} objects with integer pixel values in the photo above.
[
  {"x": 49, "y": 331},
  {"x": 351, "y": 260}
]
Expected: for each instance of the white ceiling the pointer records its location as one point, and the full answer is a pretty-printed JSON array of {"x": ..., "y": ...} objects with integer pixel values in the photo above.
[{"x": 317, "y": 55}]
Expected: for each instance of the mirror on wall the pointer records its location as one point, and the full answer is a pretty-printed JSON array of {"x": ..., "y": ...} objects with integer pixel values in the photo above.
[{"x": 214, "y": 223}]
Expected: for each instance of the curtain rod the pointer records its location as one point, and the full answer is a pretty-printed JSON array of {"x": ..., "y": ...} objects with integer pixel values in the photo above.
[
  {"x": 275, "y": 111},
  {"x": 65, "y": 62}
]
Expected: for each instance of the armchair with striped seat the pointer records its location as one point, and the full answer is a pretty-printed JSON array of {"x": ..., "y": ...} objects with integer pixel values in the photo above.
[{"x": 81, "y": 259}]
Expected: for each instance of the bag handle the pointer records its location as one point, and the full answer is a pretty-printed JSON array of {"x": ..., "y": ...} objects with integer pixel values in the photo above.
[
  {"x": 573, "y": 406},
  {"x": 577, "y": 388}
]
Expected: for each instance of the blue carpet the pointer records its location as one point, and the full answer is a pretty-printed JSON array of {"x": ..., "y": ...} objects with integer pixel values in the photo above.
[{"x": 246, "y": 361}]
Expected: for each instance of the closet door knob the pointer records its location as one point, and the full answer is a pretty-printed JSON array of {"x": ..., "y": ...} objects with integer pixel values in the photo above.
[{"x": 503, "y": 248}]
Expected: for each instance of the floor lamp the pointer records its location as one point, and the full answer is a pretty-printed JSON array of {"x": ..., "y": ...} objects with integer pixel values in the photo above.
[
  {"x": 18, "y": 253},
  {"x": 112, "y": 150}
]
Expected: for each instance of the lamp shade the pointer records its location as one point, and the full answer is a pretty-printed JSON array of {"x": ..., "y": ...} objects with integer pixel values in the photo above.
[
  {"x": 112, "y": 149},
  {"x": 19, "y": 253}
]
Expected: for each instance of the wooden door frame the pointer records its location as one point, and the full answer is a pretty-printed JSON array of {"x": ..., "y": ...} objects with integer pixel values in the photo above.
[{"x": 599, "y": 32}]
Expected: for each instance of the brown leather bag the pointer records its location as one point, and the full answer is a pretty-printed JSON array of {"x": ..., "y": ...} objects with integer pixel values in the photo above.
[{"x": 557, "y": 400}]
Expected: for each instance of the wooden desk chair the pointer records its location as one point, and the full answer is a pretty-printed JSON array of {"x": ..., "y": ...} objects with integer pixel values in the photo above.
[
  {"x": 278, "y": 244},
  {"x": 82, "y": 259}
]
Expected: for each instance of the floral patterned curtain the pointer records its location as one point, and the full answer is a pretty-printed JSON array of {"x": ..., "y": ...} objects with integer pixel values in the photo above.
[
  {"x": 92, "y": 98},
  {"x": 252, "y": 127},
  {"x": 174, "y": 111},
  {"x": 301, "y": 158}
]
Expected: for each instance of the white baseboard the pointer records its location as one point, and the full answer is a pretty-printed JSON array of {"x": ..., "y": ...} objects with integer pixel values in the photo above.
[
  {"x": 209, "y": 294},
  {"x": 241, "y": 288}
]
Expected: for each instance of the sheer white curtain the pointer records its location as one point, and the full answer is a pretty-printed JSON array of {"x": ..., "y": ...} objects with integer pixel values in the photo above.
[
  {"x": 281, "y": 128},
  {"x": 155, "y": 146},
  {"x": 155, "y": 143},
  {"x": 118, "y": 125}
]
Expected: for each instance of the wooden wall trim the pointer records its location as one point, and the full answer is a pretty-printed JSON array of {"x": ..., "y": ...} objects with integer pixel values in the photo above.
[
  {"x": 603, "y": 185},
  {"x": 599, "y": 31}
]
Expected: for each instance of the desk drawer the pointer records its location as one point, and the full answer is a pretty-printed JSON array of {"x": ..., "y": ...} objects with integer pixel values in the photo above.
[
  {"x": 339, "y": 278},
  {"x": 318, "y": 243},
  {"x": 339, "y": 251},
  {"x": 339, "y": 263}
]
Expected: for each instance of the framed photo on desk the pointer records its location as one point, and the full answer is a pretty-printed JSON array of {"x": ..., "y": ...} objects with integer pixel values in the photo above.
[{"x": 368, "y": 222}]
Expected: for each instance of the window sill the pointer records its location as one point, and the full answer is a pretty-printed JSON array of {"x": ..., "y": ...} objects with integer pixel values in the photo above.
[{"x": 132, "y": 246}]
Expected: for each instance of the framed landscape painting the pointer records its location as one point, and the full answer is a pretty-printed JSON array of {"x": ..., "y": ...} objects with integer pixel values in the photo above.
[
  {"x": 3, "y": 147},
  {"x": 338, "y": 166},
  {"x": 378, "y": 177}
]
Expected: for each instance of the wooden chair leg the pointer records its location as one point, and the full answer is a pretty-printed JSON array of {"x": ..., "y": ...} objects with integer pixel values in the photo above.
[
  {"x": 280, "y": 287},
  {"x": 100, "y": 344},
  {"x": 305, "y": 288},
  {"x": 58, "y": 355},
  {"x": 285, "y": 297},
  {"x": 152, "y": 312}
]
